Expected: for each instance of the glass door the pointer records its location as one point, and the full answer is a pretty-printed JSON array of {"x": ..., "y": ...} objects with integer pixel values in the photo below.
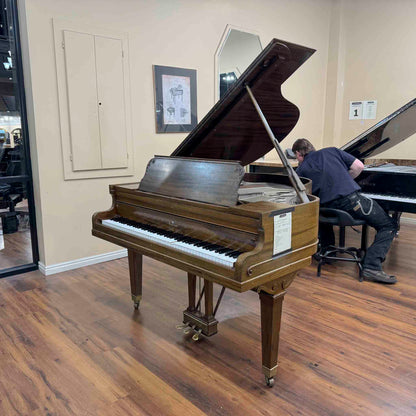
[{"x": 18, "y": 239}]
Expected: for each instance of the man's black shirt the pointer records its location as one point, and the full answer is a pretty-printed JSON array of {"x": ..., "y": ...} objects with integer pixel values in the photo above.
[{"x": 328, "y": 169}]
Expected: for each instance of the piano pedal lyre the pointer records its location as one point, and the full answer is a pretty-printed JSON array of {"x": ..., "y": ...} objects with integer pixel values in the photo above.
[{"x": 202, "y": 323}]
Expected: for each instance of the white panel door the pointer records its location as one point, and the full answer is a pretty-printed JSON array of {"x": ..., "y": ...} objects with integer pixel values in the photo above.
[
  {"x": 111, "y": 99},
  {"x": 82, "y": 100}
]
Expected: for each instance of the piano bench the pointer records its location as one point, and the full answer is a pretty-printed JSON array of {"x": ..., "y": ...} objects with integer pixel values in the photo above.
[{"x": 342, "y": 219}]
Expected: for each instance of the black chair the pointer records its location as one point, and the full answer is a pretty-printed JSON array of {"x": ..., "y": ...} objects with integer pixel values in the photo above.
[
  {"x": 7, "y": 199},
  {"x": 342, "y": 219}
]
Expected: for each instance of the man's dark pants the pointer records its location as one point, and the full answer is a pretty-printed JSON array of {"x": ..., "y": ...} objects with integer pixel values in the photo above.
[{"x": 363, "y": 208}]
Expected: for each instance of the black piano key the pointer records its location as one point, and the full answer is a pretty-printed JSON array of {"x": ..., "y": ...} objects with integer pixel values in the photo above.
[
  {"x": 179, "y": 237},
  {"x": 210, "y": 247},
  {"x": 224, "y": 250}
]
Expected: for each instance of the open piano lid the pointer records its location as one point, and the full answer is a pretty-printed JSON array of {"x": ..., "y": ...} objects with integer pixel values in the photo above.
[
  {"x": 233, "y": 130},
  {"x": 387, "y": 133}
]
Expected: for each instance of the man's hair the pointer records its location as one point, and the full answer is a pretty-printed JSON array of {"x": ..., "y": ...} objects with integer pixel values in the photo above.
[{"x": 303, "y": 146}]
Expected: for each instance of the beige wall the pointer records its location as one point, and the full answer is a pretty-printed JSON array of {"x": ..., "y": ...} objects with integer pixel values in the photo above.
[
  {"x": 182, "y": 33},
  {"x": 372, "y": 56}
]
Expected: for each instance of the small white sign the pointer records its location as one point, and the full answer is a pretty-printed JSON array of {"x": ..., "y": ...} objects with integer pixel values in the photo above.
[
  {"x": 356, "y": 110},
  {"x": 282, "y": 233},
  {"x": 369, "y": 109}
]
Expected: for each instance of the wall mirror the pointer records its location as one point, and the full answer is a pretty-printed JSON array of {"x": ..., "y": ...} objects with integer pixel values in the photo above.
[{"x": 237, "y": 49}]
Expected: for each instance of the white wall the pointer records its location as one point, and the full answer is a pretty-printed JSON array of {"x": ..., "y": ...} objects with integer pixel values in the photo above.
[
  {"x": 182, "y": 33},
  {"x": 373, "y": 57}
]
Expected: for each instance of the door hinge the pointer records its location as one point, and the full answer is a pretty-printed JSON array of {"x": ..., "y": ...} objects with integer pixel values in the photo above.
[
  {"x": 63, "y": 45},
  {"x": 70, "y": 158}
]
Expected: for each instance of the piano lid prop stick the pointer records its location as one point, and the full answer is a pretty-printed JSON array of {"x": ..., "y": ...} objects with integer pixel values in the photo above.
[{"x": 294, "y": 178}]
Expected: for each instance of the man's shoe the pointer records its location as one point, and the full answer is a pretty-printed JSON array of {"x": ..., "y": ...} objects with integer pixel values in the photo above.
[{"x": 378, "y": 276}]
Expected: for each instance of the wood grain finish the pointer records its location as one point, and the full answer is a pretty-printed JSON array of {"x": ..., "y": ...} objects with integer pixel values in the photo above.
[
  {"x": 210, "y": 181},
  {"x": 232, "y": 129},
  {"x": 271, "y": 312},
  {"x": 72, "y": 344},
  {"x": 136, "y": 275},
  {"x": 247, "y": 228}
]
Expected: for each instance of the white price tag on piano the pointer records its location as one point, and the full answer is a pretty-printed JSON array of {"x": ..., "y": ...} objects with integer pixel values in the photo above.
[{"x": 282, "y": 240}]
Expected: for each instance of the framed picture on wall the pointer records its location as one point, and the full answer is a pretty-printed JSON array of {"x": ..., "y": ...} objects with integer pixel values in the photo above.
[{"x": 175, "y": 99}]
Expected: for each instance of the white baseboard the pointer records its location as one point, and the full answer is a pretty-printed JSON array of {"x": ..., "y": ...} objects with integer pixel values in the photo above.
[
  {"x": 86, "y": 261},
  {"x": 100, "y": 258}
]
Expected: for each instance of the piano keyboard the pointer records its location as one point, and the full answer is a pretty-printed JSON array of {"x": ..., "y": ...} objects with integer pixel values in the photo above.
[
  {"x": 198, "y": 248},
  {"x": 394, "y": 198}
]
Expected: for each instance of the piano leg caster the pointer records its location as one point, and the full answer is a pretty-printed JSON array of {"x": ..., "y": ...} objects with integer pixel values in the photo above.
[
  {"x": 136, "y": 300},
  {"x": 269, "y": 381}
]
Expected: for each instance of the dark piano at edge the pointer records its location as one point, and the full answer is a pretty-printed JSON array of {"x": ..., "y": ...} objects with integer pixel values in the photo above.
[{"x": 393, "y": 187}]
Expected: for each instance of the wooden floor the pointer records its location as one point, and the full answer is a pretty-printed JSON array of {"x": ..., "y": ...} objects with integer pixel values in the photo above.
[
  {"x": 72, "y": 344},
  {"x": 17, "y": 246}
]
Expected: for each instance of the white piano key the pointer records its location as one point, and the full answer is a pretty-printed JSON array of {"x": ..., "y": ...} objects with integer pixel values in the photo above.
[
  {"x": 170, "y": 242},
  {"x": 394, "y": 198}
]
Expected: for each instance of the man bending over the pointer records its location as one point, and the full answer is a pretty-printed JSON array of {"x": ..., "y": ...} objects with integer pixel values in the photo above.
[{"x": 332, "y": 172}]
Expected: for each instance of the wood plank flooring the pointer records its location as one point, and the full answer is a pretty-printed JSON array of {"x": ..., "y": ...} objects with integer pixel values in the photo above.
[
  {"x": 72, "y": 344},
  {"x": 17, "y": 246}
]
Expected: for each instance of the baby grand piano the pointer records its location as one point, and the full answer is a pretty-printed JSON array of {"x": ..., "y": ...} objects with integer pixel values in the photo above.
[
  {"x": 393, "y": 187},
  {"x": 198, "y": 210}
]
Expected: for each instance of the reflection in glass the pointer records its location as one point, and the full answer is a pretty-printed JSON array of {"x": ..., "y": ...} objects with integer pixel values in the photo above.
[
  {"x": 17, "y": 253},
  {"x": 237, "y": 51},
  {"x": 11, "y": 151},
  {"x": 227, "y": 80},
  {"x": 15, "y": 243}
]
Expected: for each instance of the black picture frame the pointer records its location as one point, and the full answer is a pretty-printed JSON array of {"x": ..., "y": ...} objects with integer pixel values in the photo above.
[{"x": 175, "y": 99}]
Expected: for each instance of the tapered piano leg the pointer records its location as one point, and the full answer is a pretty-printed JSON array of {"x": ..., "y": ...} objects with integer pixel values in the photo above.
[
  {"x": 135, "y": 268},
  {"x": 271, "y": 313}
]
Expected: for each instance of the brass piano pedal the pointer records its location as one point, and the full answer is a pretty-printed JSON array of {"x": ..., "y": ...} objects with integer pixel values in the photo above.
[
  {"x": 197, "y": 334},
  {"x": 188, "y": 329},
  {"x": 182, "y": 326}
]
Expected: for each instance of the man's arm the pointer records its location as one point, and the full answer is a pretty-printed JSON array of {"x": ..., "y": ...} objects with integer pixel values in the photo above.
[{"x": 356, "y": 168}]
